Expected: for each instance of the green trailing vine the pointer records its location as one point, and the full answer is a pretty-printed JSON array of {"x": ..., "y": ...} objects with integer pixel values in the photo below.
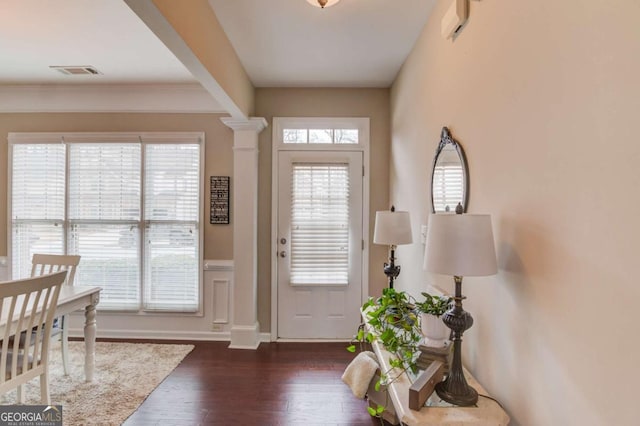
[
  {"x": 434, "y": 305},
  {"x": 393, "y": 320}
]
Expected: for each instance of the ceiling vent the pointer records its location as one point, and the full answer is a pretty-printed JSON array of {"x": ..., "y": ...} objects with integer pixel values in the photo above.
[{"x": 76, "y": 70}]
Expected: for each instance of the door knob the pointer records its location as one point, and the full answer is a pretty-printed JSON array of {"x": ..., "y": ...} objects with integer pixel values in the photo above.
[
  {"x": 283, "y": 253},
  {"x": 283, "y": 241}
]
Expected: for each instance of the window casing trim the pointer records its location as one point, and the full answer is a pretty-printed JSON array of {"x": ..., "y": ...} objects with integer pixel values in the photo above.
[
  {"x": 143, "y": 138},
  {"x": 106, "y": 137},
  {"x": 278, "y": 145},
  {"x": 359, "y": 123}
]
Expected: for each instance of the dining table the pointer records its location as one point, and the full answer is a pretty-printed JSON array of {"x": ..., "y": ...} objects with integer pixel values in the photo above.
[{"x": 71, "y": 299}]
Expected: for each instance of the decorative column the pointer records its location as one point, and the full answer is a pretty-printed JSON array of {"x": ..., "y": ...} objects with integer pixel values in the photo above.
[{"x": 245, "y": 330}]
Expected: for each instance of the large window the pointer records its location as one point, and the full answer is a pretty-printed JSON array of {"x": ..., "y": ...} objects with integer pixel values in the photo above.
[{"x": 130, "y": 206}]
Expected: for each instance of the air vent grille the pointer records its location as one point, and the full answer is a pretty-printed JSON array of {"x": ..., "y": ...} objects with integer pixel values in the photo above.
[{"x": 76, "y": 70}]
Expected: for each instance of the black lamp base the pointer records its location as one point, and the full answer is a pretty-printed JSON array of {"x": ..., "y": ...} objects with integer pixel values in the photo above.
[
  {"x": 464, "y": 399},
  {"x": 391, "y": 270},
  {"x": 455, "y": 389}
]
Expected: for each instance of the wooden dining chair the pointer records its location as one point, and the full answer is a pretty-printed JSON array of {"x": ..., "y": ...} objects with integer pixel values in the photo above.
[
  {"x": 46, "y": 264},
  {"x": 27, "y": 305}
]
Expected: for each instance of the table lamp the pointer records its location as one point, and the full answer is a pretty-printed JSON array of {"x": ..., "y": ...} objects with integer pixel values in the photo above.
[
  {"x": 459, "y": 245},
  {"x": 392, "y": 228}
]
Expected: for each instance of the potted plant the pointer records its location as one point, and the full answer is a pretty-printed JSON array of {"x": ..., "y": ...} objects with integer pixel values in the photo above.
[
  {"x": 433, "y": 328},
  {"x": 393, "y": 321}
]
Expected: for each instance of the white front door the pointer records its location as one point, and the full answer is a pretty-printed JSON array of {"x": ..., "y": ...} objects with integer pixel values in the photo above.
[{"x": 319, "y": 267}]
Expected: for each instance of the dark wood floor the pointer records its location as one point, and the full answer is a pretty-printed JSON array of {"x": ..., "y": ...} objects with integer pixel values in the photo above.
[{"x": 278, "y": 384}]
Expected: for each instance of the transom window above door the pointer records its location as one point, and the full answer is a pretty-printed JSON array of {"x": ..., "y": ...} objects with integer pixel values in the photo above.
[
  {"x": 320, "y": 133},
  {"x": 328, "y": 136}
]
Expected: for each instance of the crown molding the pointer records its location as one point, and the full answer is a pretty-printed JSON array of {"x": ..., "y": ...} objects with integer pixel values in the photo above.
[{"x": 152, "y": 98}]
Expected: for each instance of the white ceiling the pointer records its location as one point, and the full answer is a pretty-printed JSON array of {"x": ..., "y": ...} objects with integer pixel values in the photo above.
[
  {"x": 35, "y": 34},
  {"x": 281, "y": 43},
  {"x": 289, "y": 43}
]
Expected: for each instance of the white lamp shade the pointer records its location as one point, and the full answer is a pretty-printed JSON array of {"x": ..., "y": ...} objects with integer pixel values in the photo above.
[
  {"x": 392, "y": 228},
  {"x": 461, "y": 245},
  {"x": 316, "y": 4}
]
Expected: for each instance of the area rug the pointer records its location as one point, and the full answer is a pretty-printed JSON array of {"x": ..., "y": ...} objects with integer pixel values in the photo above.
[{"x": 125, "y": 375}]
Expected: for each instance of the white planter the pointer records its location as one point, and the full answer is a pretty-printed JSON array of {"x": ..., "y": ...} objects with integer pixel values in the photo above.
[{"x": 434, "y": 330}]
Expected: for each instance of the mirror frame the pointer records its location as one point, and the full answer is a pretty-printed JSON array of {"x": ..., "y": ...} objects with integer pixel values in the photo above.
[{"x": 447, "y": 139}]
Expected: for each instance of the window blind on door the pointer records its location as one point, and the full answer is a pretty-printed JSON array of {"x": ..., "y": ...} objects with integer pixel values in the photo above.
[{"x": 319, "y": 251}]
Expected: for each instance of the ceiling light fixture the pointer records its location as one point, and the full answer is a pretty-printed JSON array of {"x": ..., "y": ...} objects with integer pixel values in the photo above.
[{"x": 322, "y": 3}]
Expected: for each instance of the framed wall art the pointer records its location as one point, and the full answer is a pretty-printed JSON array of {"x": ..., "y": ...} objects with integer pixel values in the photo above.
[{"x": 219, "y": 200}]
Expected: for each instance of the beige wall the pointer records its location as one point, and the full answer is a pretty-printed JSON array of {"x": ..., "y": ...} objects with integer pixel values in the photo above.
[
  {"x": 218, "y": 239},
  {"x": 372, "y": 103},
  {"x": 544, "y": 97}
]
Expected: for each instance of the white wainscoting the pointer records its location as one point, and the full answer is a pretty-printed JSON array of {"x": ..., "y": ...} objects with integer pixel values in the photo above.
[
  {"x": 213, "y": 323},
  {"x": 219, "y": 275}
]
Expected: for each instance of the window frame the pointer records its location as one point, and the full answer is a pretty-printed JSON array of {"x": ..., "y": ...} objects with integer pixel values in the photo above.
[
  {"x": 278, "y": 145},
  {"x": 359, "y": 123},
  {"x": 116, "y": 137}
]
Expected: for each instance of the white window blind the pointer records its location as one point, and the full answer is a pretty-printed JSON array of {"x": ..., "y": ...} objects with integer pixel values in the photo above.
[
  {"x": 447, "y": 186},
  {"x": 320, "y": 224},
  {"x": 132, "y": 213},
  {"x": 104, "y": 211},
  {"x": 104, "y": 181},
  {"x": 37, "y": 203},
  {"x": 172, "y": 200},
  {"x": 107, "y": 262}
]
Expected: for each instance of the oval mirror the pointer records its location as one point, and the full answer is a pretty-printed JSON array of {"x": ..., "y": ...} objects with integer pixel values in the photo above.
[{"x": 449, "y": 176}]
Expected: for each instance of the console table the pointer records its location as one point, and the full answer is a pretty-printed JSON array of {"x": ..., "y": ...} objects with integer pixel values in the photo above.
[{"x": 487, "y": 411}]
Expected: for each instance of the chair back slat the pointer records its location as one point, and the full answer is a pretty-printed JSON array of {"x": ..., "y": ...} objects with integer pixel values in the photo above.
[
  {"x": 42, "y": 264},
  {"x": 24, "y": 305},
  {"x": 6, "y": 338},
  {"x": 39, "y": 326}
]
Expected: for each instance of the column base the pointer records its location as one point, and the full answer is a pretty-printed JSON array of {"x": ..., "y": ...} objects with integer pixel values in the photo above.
[{"x": 245, "y": 337}]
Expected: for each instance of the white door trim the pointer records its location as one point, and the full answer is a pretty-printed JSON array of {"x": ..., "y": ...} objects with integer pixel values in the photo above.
[{"x": 279, "y": 123}]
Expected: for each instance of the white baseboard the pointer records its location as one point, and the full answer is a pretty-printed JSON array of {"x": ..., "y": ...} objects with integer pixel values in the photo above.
[
  {"x": 155, "y": 334},
  {"x": 245, "y": 336},
  {"x": 212, "y": 336},
  {"x": 265, "y": 337}
]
